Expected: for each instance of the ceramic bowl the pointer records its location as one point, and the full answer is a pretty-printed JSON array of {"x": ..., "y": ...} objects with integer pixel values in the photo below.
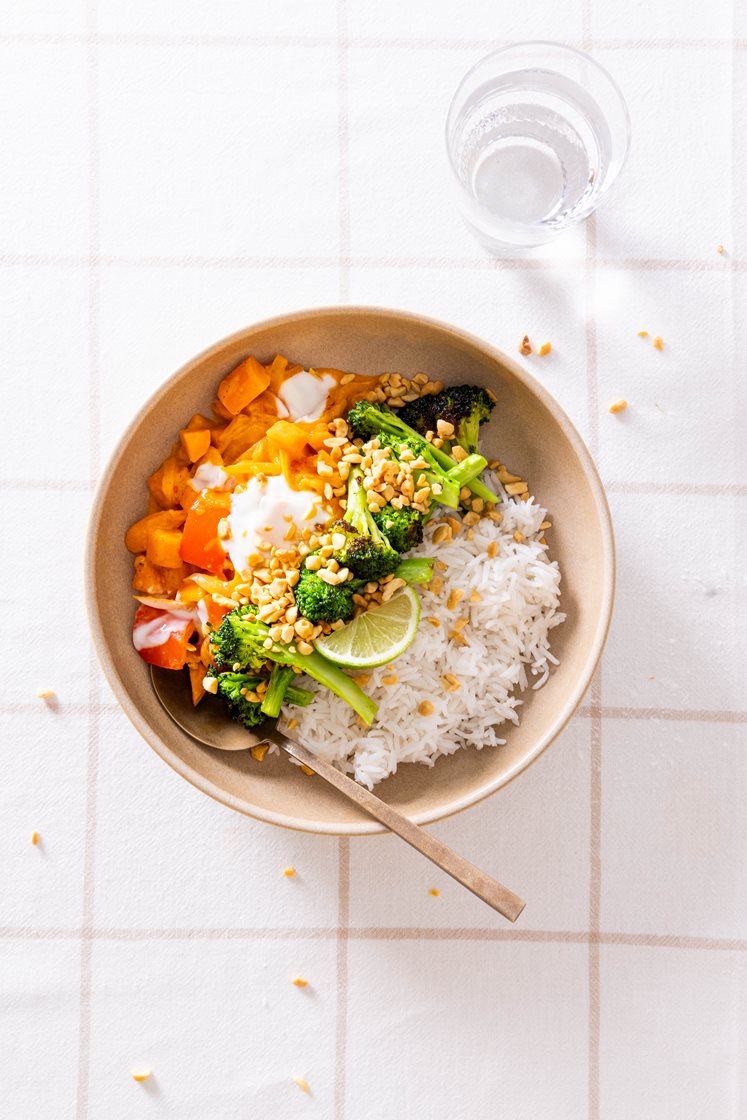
[{"x": 529, "y": 431}]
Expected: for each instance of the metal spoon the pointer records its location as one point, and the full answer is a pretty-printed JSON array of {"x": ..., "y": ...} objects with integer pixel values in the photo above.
[{"x": 208, "y": 724}]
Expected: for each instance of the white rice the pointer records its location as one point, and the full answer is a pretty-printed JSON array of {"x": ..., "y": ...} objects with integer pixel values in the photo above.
[{"x": 508, "y": 634}]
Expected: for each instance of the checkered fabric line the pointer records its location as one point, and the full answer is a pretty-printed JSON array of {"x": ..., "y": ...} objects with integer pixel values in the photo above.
[{"x": 172, "y": 172}]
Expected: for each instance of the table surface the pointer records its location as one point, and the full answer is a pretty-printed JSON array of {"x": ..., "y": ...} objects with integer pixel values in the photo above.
[{"x": 171, "y": 172}]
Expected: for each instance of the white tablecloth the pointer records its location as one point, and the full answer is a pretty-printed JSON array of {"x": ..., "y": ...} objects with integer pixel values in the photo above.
[{"x": 170, "y": 172}]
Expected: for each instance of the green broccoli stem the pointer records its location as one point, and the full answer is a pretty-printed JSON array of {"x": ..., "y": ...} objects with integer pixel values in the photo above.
[
  {"x": 469, "y": 469},
  {"x": 332, "y": 677},
  {"x": 356, "y": 512},
  {"x": 449, "y": 494},
  {"x": 388, "y": 421},
  {"x": 415, "y": 570},
  {"x": 478, "y": 488},
  {"x": 280, "y": 680},
  {"x": 468, "y": 434},
  {"x": 300, "y": 697}
]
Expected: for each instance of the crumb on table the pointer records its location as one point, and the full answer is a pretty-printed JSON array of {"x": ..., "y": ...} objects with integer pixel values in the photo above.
[
  {"x": 658, "y": 343},
  {"x": 34, "y": 838},
  {"x": 544, "y": 349},
  {"x": 434, "y": 891},
  {"x": 140, "y": 1074},
  {"x": 618, "y": 406},
  {"x": 299, "y": 982},
  {"x": 525, "y": 346},
  {"x": 302, "y": 1084},
  {"x": 46, "y": 693},
  {"x": 289, "y": 872}
]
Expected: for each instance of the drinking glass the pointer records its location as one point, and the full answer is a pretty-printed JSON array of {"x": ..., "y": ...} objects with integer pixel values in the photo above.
[{"x": 536, "y": 135}]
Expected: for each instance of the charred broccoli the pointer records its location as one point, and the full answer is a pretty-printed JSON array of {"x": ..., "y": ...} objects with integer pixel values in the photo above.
[
  {"x": 403, "y": 527},
  {"x": 464, "y": 406},
  {"x": 233, "y": 688},
  {"x": 371, "y": 421},
  {"x": 241, "y": 639},
  {"x": 368, "y": 420},
  {"x": 367, "y": 551},
  {"x": 239, "y": 691},
  {"x": 324, "y": 602}
]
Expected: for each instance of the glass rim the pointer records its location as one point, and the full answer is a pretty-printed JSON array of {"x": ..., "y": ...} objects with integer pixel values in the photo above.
[{"x": 561, "y": 48}]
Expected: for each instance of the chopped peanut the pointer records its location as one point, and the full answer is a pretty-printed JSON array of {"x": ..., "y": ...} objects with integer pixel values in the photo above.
[
  {"x": 450, "y": 682},
  {"x": 525, "y": 346},
  {"x": 519, "y": 537},
  {"x": 492, "y": 549},
  {"x": 258, "y": 753},
  {"x": 455, "y": 597},
  {"x": 515, "y": 488}
]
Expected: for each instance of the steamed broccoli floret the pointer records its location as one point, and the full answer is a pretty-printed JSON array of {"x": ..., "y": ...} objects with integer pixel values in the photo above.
[
  {"x": 403, "y": 527},
  {"x": 234, "y": 642},
  {"x": 324, "y": 602},
  {"x": 231, "y": 687},
  {"x": 464, "y": 406},
  {"x": 241, "y": 639},
  {"x": 371, "y": 421},
  {"x": 447, "y": 484},
  {"x": 367, "y": 551},
  {"x": 367, "y": 419}
]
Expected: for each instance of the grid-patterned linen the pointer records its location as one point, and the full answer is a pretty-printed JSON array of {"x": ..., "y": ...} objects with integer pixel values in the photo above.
[{"x": 171, "y": 171}]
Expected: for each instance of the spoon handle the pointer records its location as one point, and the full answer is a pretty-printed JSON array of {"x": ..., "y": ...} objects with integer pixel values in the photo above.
[{"x": 499, "y": 897}]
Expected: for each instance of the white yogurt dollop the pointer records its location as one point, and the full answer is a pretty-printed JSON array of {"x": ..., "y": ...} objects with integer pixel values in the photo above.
[
  {"x": 209, "y": 476},
  {"x": 157, "y": 631},
  {"x": 262, "y": 511},
  {"x": 305, "y": 394}
]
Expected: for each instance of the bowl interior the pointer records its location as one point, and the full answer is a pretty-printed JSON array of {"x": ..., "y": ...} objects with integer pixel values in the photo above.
[{"x": 528, "y": 431}]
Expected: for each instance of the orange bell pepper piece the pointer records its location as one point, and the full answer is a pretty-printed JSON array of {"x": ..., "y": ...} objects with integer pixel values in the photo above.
[
  {"x": 171, "y": 635},
  {"x": 200, "y": 544}
]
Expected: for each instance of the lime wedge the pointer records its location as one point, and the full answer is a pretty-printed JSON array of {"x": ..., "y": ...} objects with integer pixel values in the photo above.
[{"x": 377, "y": 636}]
